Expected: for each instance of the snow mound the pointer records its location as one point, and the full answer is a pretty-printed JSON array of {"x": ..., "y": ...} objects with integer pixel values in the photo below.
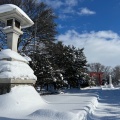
[
  {"x": 16, "y": 70},
  {"x": 22, "y": 100},
  {"x": 8, "y": 53}
]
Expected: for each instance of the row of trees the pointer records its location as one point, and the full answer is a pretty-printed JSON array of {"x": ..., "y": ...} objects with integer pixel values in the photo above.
[
  {"x": 107, "y": 70},
  {"x": 60, "y": 66},
  {"x": 52, "y": 62}
]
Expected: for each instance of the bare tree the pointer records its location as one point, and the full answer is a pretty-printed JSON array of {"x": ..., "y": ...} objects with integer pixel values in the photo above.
[
  {"x": 98, "y": 67},
  {"x": 116, "y": 74},
  {"x": 16, "y": 2}
]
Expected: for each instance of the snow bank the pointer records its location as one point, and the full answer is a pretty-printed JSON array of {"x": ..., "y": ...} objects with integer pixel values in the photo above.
[
  {"x": 48, "y": 114},
  {"x": 22, "y": 100},
  {"x": 8, "y": 53},
  {"x": 90, "y": 108},
  {"x": 85, "y": 113},
  {"x": 24, "y": 103},
  {"x": 16, "y": 70}
]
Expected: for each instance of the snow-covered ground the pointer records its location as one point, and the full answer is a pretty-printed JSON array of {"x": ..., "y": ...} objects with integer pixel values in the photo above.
[
  {"x": 108, "y": 107},
  {"x": 24, "y": 103}
]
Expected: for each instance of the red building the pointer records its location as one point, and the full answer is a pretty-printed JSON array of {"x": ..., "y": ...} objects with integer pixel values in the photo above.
[{"x": 97, "y": 75}]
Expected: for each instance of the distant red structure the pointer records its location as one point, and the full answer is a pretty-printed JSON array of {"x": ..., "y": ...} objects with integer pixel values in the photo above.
[{"x": 98, "y": 75}]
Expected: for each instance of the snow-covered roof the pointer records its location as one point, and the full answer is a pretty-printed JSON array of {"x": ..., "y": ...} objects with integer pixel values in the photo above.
[
  {"x": 8, "y": 11},
  {"x": 8, "y": 53}
]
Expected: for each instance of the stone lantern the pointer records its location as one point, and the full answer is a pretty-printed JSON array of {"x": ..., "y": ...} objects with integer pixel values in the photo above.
[
  {"x": 15, "y": 19},
  {"x": 14, "y": 68}
]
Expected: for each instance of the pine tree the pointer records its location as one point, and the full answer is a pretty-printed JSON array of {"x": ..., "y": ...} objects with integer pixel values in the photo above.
[
  {"x": 71, "y": 62},
  {"x": 43, "y": 70},
  {"x": 80, "y": 66},
  {"x": 76, "y": 63}
]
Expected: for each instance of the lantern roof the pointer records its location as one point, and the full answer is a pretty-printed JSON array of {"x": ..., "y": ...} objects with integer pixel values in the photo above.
[{"x": 9, "y": 11}]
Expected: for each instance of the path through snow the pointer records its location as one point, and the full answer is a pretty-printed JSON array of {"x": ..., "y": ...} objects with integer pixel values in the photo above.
[{"x": 108, "y": 107}]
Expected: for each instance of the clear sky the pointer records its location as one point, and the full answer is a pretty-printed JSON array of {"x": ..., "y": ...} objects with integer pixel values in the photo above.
[{"x": 92, "y": 24}]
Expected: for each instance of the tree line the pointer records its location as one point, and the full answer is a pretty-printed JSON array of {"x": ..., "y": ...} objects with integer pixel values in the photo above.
[{"x": 107, "y": 70}]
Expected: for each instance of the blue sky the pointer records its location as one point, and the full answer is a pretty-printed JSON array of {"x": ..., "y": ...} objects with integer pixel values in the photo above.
[
  {"x": 92, "y": 24},
  {"x": 99, "y": 15}
]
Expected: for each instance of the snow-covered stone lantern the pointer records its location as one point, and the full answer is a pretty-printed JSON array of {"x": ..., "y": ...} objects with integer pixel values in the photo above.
[
  {"x": 15, "y": 19},
  {"x": 14, "y": 69}
]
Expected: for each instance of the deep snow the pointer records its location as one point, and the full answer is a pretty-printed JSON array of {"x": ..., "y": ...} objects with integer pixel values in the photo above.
[
  {"x": 108, "y": 107},
  {"x": 21, "y": 101},
  {"x": 15, "y": 69},
  {"x": 8, "y": 53},
  {"x": 24, "y": 103}
]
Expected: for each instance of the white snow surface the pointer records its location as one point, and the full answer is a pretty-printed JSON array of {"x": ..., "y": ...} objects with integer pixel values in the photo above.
[
  {"x": 27, "y": 58},
  {"x": 21, "y": 101},
  {"x": 6, "y": 27},
  {"x": 24, "y": 103},
  {"x": 8, "y": 53},
  {"x": 16, "y": 70}
]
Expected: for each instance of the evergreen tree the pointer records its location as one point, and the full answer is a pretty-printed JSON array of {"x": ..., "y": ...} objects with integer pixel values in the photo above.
[
  {"x": 43, "y": 70},
  {"x": 76, "y": 67},
  {"x": 80, "y": 65},
  {"x": 70, "y": 62}
]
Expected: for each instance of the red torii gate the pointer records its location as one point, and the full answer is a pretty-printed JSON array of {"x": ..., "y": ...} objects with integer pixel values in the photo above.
[{"x": 98, "y": 75}]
